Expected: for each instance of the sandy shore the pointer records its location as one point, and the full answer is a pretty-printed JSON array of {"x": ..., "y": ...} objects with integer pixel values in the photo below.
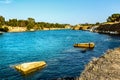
[
  {"x": 22, "y": 29},
  {"x": 107, "y": 67}
]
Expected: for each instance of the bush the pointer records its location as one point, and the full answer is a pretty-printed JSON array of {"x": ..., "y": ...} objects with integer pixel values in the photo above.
[{"x": 5, "y": 29}]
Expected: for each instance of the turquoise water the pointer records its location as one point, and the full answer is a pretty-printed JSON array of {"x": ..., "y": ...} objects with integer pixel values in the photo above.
[{"x": 54, "y": 47}]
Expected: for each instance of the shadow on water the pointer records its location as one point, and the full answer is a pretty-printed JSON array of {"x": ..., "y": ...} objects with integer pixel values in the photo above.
[
  {"x": 84, "y": 50},
  {"x": 67, "y": 78}
]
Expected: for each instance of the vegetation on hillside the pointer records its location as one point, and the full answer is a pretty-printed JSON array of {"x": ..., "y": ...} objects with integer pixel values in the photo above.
[
  {"x": 29, "y": 24},
  {"x": 111, "y": 26},
  {"x": 114, "y": 18}
]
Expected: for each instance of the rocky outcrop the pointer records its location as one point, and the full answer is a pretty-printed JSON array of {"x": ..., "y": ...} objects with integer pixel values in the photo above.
[
  {"x": 80, "y": 27},
  {"x": 108, "y": 28},
  {"x": 29, "y": 67},
  {"x": 17, "y": 29},
  {"x": 107, "y": 67}
]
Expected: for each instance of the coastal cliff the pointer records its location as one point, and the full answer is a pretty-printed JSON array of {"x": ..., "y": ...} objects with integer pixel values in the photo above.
[
  {"x": 107, "y": 67},
  {"x": 108, "y": 28},
  {"x": 17, "y": 29}
]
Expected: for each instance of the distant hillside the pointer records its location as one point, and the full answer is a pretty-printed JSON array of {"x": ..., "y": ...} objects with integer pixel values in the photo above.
[{"x": 16, "y": 25}]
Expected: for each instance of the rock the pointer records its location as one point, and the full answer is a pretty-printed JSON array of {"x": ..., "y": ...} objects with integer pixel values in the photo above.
[
  {"x": 29, "y": 67},
  {"x": 106, "y": 67},
  {"x": 1, "y": 32}
]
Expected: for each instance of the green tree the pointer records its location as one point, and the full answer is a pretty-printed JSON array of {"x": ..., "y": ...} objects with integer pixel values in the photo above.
[
  {"x": 114, "y": 18},
  {"x": 5, "y": 29},
  {"x": 12, "y": 22},
  {"x": 31, "y": 23},
  {"x": 22, "y": 23},
  {"x": 97, "y": 23},
  {"x": 2, "y": 21}
]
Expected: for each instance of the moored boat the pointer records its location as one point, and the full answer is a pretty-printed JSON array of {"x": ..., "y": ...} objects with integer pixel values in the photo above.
[{"x": 85, "y": 45}]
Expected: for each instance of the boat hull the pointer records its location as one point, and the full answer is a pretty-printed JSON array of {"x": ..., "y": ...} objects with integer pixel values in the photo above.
[{"x": 85, "y": 45}]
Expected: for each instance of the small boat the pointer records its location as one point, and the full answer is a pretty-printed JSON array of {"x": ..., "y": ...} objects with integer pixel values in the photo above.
[
  {"x": 29, "y": 67},
  {"x": 85, "y": 45}
]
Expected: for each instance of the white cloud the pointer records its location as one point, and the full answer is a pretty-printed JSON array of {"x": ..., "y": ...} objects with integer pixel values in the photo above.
[{"x": 5, "y": 1}]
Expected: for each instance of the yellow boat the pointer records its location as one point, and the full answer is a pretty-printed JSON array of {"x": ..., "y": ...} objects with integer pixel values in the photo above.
[
  {"x": 29, "y": 67},
  {"x": 85, "y": 45}
]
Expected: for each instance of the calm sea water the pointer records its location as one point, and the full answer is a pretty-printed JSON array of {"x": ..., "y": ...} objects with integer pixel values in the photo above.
[{"x": 54, "y": 47}]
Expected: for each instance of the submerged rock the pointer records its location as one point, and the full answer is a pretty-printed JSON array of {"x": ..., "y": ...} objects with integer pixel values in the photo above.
[
  {"x": 107, "y": 67},
  {"x": 29, "y": 67}
]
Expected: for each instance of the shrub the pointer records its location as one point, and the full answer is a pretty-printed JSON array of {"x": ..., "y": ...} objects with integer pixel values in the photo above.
[{"x": 5, "y": 29}]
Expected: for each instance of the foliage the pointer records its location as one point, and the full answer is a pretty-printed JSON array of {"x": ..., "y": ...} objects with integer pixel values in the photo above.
[
  {"x": 97, "y": 23},
  {"x": 87, "y": 24},
  {"x": 5, "y": 29},
  {"x": 114, "y": 18},
  {"x": 2, "y": 20},
  {"x": 12, "y": 22},
  {"x": 22, "y": 23},
  {"x": 29, "y": 24}
]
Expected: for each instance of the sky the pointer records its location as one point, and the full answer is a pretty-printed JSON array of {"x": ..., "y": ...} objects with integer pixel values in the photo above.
[{"x": 60, "y": 11}]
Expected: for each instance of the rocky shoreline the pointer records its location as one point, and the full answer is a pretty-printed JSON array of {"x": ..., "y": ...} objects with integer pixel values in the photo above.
[
  {"x": 106, "y": 67},
  {"x": 107, "y": 29}
]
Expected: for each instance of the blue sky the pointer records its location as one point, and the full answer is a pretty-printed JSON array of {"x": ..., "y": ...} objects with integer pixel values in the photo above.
[{"x": 60, "y": 11}]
